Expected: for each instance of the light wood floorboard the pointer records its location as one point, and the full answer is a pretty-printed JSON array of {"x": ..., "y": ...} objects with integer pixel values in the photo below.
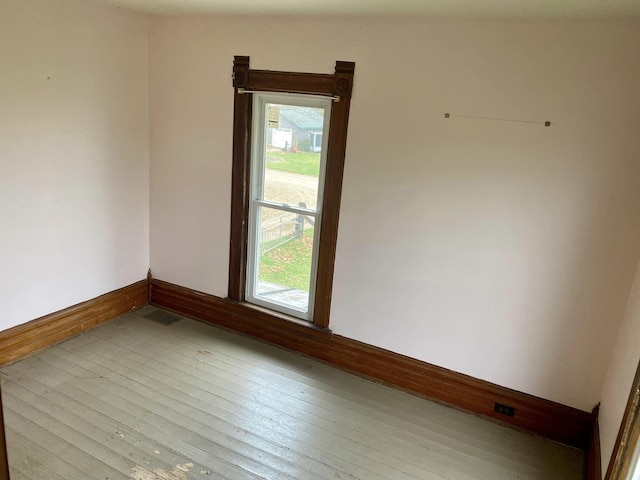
[{"x": 136, "y": 399}]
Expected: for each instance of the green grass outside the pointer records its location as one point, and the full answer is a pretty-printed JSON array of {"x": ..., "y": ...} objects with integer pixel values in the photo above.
[
  {"x": 289, "y": 265},
  {"x": 304, "y": 163}
]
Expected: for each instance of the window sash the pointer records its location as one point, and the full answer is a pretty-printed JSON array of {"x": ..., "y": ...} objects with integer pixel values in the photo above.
[{"x": 258, "y": 167}]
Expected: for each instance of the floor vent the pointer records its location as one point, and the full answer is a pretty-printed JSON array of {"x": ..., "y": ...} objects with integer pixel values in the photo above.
[{"x": 165, "y": 318}]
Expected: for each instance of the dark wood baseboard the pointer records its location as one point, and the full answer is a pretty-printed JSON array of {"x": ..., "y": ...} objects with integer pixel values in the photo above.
[
  {"x": 543, "y": 417},
  {"x": 592, "y": 458},
  {"x": 31, "y": 337}
]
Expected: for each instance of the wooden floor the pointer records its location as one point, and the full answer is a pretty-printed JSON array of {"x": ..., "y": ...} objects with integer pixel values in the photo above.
[{"x": 138, "y": 399}]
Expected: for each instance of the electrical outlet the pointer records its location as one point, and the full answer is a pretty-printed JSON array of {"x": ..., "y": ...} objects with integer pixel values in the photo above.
[{"x": 504, "y": 409}]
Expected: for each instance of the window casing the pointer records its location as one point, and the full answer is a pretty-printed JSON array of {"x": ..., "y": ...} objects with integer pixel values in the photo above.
[{"x": 334, "y": 91}]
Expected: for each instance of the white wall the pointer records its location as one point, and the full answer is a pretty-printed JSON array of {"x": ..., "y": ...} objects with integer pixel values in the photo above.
[
  {"x": 501, "y": 250},
  {"x": 74, "y": 159},
  {"x": 620, "y": 375}
]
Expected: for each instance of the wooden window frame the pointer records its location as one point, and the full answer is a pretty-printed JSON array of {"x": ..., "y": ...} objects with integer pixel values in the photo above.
[
  {"x": 628, "y": 440},
  {"x": 259, "y": 201},
  {"x": 339, "y": 85},
  {"x": 4, "y": 462}
]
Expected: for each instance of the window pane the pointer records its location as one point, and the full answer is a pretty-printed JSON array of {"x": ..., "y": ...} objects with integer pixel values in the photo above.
[
  {"x": 293, "y": 145},
  {"x": 284, "y": 258}
]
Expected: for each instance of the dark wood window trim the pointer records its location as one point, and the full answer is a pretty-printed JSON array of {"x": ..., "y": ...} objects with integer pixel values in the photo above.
[
  {"x": 628, "y": 440},
  {"x": 4, "y": 463},
  {"x": 338, "y": 84}
]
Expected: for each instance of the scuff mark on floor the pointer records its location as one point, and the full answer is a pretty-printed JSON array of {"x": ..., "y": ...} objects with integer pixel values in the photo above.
[
  {"x": 179, "y": 472},
  {"x": 185, "y": 467}
]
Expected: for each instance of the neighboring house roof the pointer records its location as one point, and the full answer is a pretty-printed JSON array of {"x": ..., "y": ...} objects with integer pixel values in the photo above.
[{"x": 303, "y": 118}]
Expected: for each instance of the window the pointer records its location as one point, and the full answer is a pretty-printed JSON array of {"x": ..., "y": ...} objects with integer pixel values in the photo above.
[
  {"x": 285, "y": 202},
  {"x": 316, "y": 141},
  {"x": 625, "y": 459},
  {"x": 288, "y": 159}
]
